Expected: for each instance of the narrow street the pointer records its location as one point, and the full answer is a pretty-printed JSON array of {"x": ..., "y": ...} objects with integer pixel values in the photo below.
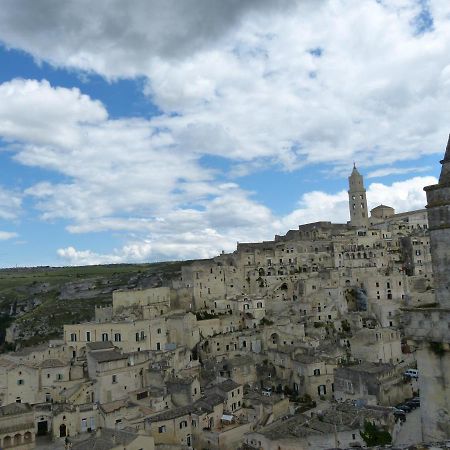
[{"x": 411, "y": 432}]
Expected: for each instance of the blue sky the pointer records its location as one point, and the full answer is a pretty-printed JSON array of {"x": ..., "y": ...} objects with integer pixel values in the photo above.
[{"x": 166, "y": 130}]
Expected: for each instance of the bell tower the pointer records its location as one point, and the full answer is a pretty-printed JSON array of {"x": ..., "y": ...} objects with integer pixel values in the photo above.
[{"x": 357, "y": 201}]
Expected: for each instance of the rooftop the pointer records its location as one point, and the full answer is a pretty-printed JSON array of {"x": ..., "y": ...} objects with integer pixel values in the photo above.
[
  {"x": 107, "y": 355},
  {"x": 93, "y": 346},
  {"x": 14, "y": 409},
  {"x": 105, "y": 439},
  {"x": 52, "y": 363}
]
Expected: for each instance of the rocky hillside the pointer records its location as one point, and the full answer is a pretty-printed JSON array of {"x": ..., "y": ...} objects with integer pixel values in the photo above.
[{"x": 36, "y": 302}]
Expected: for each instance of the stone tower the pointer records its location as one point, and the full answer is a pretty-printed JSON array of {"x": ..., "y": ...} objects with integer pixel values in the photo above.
[
  {"x": 428, "y": 327},
  {"x": 438, "y": 199},
  {"x": 357, "y": 200}
]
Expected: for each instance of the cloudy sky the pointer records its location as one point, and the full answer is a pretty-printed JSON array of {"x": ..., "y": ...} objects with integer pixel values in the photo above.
[{"x": 164, "y": 129}]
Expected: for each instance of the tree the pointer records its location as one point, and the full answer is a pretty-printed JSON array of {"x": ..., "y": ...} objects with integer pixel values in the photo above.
[{"x": 372, "y": 435}]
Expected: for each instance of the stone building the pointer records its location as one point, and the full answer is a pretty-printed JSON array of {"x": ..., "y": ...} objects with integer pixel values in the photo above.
[
  {"x": 371, "y": 383},
  {"x": 17, "y": 427},
  {"x": 428, "y": 328}
]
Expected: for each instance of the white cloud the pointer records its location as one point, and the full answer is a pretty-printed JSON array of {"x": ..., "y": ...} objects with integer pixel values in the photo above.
[
  {"x": 34, "y": 111},
  {"x": 316, "y": 206},
  {"x": 323, "y": 82},
  {"x": 243, "y": 79},
  {"x": 10, "y": 204},
  {"x": 386, "y": 171},
  {"x": 5, "y": 235},
  {"x": 85, "y": 257},
  {"x": 204, "y": 235},
  {"x": 405, "y": 195}
]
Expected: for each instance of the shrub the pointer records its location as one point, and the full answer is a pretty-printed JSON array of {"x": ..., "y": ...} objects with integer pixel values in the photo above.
[{"x": 372, "y": 435}]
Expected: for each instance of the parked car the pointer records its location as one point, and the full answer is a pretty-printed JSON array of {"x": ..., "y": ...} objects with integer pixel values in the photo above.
[
  {"x": 411, "y": 373},
  {"x": 404, "y": 408},
  {"x": 412, "y": 404},
  {"x": 400, "y": 415}
]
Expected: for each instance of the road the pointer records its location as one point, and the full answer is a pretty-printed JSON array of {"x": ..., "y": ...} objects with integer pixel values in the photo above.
[{"x": 411, "y": 431}]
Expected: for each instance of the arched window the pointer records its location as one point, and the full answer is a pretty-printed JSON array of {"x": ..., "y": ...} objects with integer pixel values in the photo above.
[
  {"x": 7, "y": 442},
  {"x": 17, "y": 439}
]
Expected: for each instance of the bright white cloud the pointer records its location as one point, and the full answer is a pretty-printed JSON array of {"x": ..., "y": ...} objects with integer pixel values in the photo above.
[
  {"x": 5, "y": 235},
  {"x": 315, "y": 206},
  {"x": 165, "y": 240},
  {"x": 36, "y": 112},
  {"x": 290, "y": 82},
  {"x": 260, "y": 83}
]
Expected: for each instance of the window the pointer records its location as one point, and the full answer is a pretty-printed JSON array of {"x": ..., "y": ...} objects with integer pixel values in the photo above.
[
  {"x": 20, "y": 382},
  {"x": 117, "y": 337},
  {"x": 162, "y": 429},
  {"x": 59, "y": 376},
  {"x": 104, "y": 337},
  {"x": 159, "y": 331},
  {"x": 114, "y": 379},
  {"x": 88, "y": 336},
  {"x": 141, "y": 395},
  {"x": 73, "y": 337},
  {"x": 158, "y": 346},
  {"x": 316, "y": 372},
  {"x": 142, "y": 335},
  {"x": 183, "y": 424}
]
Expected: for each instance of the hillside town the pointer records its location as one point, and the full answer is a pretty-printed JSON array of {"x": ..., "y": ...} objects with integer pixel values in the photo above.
[{"x": 330, "y": 336}]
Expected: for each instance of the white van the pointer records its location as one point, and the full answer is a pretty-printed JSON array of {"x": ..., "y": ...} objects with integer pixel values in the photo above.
[{"x": 412, "y": 373}]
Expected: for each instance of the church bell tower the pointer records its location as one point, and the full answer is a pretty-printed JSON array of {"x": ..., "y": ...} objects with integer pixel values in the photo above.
[{"x": 357, "y": 200}]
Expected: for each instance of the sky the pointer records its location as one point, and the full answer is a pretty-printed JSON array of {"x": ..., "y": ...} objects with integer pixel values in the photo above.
[{"x": 160, "y": 130}]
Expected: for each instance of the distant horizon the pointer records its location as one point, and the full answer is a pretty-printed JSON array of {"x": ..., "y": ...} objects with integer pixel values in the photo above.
[{"x": 187, "y": 259}]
